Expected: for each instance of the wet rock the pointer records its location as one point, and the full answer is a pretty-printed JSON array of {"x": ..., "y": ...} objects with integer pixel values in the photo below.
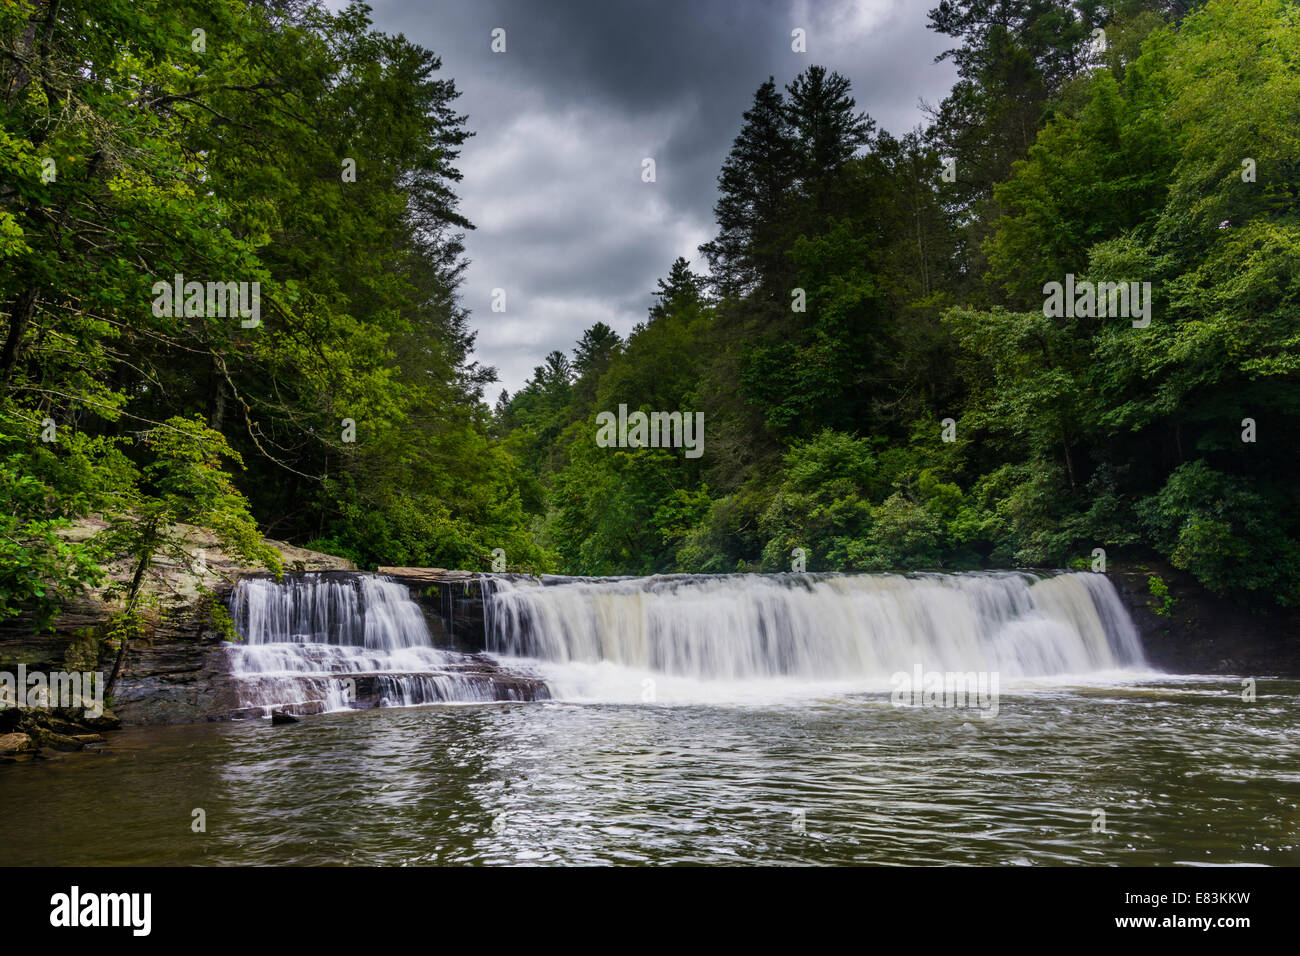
[
  {"x": 11, "y": 744},
  {"x": 280, "y": 717},
  {"x": 1202, "y": 633},
  {"x": 495, "y": 683},
  {"x": 105, "y": 721},
  {"x": 241, "y": 713},
  {"x": 30, "y": 731},
  {"x": 57, "y": 741},
  {"x": 65, "y": 727},
  {"x": 177, "y": 682},
  {"x": 452, "y": 603},
  {"x": 10, "y": 719}
]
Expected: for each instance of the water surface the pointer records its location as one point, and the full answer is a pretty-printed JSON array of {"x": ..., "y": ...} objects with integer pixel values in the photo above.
[{"x": 1186, "y": 772}]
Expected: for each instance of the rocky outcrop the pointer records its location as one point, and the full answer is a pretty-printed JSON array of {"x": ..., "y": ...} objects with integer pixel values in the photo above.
[
  {"x": 176, "y": 674},
  {"x": 179, "y": 673},
  {"x": 32, "y": 733},
  {"x": 463, "y": 678},
  {"x": 1187, "y": 630},
  {"x": 452, "y": 602}
]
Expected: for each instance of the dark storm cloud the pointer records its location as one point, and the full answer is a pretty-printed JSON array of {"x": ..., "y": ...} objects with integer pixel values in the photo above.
[{"x": 583, "y": 93}]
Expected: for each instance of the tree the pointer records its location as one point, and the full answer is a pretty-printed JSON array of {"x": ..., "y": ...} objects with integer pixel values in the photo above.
[
  {"x": 183, "y": 481},
  {"x": 302, "y": 154},
  {"x": 682, "y": 289},
  {"x": 753, "y": 188},
  {"x": 826, "y": 129},
  {"x": 596, "y": 347},
  {"x": 591, "y": 359}
]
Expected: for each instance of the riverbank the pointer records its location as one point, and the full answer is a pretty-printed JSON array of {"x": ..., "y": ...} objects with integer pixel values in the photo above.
[{"x": 28, "y": 733}]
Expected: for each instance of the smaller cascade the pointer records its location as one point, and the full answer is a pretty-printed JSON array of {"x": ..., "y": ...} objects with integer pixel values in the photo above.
[{"x": 334, "y": 641}]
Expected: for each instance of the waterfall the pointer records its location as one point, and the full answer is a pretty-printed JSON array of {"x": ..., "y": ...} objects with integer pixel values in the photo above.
[
  {"x": 352, "y": 611},
  {"x": 330, "y": 641},
  {"x": 815, "y": 627},
  {"x": 322, "y": 642}
]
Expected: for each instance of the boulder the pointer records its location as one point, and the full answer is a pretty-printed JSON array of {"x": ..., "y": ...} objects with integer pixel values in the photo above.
[
  {"x": 57, "y": 741},
  {"x": 15, "y": 744}
]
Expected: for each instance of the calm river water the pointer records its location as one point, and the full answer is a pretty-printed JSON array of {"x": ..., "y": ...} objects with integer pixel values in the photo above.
[{"x": 1184, "y": 770}]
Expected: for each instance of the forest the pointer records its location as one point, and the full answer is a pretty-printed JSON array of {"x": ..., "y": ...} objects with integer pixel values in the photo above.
[{"x": 881, "y": 382}]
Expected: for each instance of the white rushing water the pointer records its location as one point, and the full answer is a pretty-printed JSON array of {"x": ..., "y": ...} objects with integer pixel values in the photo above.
[
  {"x": 308, "y": 643},
  {"x": 697, "y": 636}
]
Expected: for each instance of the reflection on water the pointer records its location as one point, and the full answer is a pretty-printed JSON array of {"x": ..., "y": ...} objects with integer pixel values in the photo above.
[{"x": 1184, "y": 770}]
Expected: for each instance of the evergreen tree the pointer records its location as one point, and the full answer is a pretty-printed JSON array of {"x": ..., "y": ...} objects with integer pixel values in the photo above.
[
  {"x": 681, "y": 290},
  {"x": 826, "y": 129},
  {"x": 753, "y": 187}
]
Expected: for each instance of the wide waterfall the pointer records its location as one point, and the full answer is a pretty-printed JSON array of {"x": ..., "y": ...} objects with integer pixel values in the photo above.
[
  {"x": 811, "y": 627},
  {"x": 331, "y": 641},
  {"x": 320, "y": 642}
]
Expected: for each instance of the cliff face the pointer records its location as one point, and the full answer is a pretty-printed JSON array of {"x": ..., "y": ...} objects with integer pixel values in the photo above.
[
  {"x": 177, "y": 675},
  {"x": 1190, "y": 631}
]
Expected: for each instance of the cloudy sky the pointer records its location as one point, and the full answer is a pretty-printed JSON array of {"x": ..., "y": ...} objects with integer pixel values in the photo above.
[{"x": 587, "y": 89}]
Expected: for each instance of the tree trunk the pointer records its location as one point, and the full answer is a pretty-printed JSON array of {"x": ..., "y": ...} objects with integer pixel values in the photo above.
[
  {"x": 1069, "y": 465},
  {"x": 132, "y": 597},
  {"x": 24, "y": 308},
  {"x": 217, "y": 400}
]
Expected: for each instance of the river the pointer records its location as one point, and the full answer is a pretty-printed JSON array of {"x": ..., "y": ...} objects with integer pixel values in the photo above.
[
  {"x": 740, "y": 720},
  {"x": 1185, "y": 771}
]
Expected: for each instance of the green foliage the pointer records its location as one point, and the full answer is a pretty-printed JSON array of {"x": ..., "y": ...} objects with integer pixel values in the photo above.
[
  {"x": 183, "y": 481},
  {"x": 1160, "y": 591},
  {"x": 727, "y": 535},
  {"x": 127, "y": 626},
  {"x": 38, "y": 566},
  {"x": 82, "y": 652},
  {"x": 924, "y": 303},
  {"x": 905, "y": 535},
  {"x": 352, "y": 416},
  {"x": 1224, "y": 530},
  {"x": 217, "y": 617},
  {"x": 353, "y": 403},
  {"x": 822, "y": 505}
]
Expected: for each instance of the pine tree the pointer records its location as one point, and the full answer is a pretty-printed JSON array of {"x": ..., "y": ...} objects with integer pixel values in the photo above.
[
  {"x": 755, "y": 183},
  {"x": 594, "y": 349},
  {"x": 828, "y": 132},
  {"x": 682, "y": 289}
]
